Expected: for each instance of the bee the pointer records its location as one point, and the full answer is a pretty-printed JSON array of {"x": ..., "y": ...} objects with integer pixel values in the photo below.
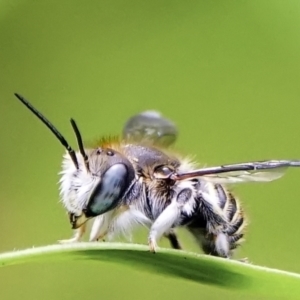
[{"x": 138, "y": 180}]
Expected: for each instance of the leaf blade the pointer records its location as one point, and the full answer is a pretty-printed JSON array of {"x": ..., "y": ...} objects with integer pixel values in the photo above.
[{"x": 182, "y": 265}]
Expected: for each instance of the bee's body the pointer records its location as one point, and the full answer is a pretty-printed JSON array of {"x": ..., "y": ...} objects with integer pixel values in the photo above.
[
  {"x": 206, "y": 209},
  {"x": 127, "y": 183}
]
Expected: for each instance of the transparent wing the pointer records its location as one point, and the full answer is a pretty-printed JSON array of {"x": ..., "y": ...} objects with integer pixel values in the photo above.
[
  {"x": 243, "y": 172},
  {"x": 246, "y": 176},
  {"x": 150, "y": 127}
]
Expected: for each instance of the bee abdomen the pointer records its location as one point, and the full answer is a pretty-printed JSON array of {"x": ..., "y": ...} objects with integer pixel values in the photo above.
[
  {"x": 232, "y": 207},
  {"x": 226, "y": 201},
  {"x": 222, "y": 196},
  {"x": 237, "y": 226},
  {"x": 223, "y": 229},
  {"x": 236, "y": 223},
  {"x": 234, "y": 239},
  {"x": 235, "y": 218}
]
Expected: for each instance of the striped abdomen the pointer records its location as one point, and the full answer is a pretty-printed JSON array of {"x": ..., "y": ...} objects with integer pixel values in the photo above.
[{"x": 218, "y": 222}]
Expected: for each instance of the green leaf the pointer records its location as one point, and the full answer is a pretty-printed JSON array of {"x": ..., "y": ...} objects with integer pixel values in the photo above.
[{"x": 184, "y": 265}]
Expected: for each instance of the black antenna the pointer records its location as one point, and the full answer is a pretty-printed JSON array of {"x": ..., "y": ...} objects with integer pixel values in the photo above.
[
  {"x": 51, "y": 127},
  {"x": 80, "y": 144}
]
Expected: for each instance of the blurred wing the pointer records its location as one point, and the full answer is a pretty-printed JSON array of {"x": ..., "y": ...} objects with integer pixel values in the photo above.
[
  {"x": 150, "y": 127},
  {"x": 243, "y": 172},
  {"x": 246, "y": 176}
]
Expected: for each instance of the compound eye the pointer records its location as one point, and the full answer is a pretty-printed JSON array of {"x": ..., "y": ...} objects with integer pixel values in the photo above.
[
  {"x": 163, "y": 172},
  {"x": 109, "y": 191}
]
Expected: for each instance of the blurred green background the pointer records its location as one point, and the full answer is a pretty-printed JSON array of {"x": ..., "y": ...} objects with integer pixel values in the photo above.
[{"x": 227, "y": 72}]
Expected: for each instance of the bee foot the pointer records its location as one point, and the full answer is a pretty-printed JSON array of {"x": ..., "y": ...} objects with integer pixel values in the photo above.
[
  {"x": 69, "y": 241},
  {"x": 152, "y": 246},
  {"x": 244, "y": 260},
  {"x": 99, "y": 238}
]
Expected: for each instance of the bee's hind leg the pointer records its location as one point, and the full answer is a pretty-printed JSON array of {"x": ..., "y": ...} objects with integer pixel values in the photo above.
[{"x": 212, "y": 244}]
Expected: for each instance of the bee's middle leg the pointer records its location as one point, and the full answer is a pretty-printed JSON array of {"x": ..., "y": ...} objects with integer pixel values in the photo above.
[
  {"x": 163, "y": 224},
  {"x": 173, "y": 239},
  {"x": 168, "y": 217}
]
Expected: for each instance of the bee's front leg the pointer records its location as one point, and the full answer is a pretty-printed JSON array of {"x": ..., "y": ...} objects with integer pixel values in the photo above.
[
  {"x": 99, "y": 229},
  {"x": 101, "y": 226},
  {"x": 79, "y": 232}
]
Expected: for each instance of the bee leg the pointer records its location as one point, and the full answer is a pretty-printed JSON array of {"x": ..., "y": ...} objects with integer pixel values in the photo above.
[
  {"x": 244, "y": 260},
  {"x": 79, "y": 232},
  {"x": 212, "y": 244},
  {"x": 125, "y": 221},
  {"x": 173, "y": 239},
  {"x": 222, "y": 245},
  {"x": 97, "y": 230},
  {"x": 217, "y": 245},
  {"x": 166, "y": 220},
  {"x": 163, "y": 223},
  {"x": 100, "y": 227}
]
